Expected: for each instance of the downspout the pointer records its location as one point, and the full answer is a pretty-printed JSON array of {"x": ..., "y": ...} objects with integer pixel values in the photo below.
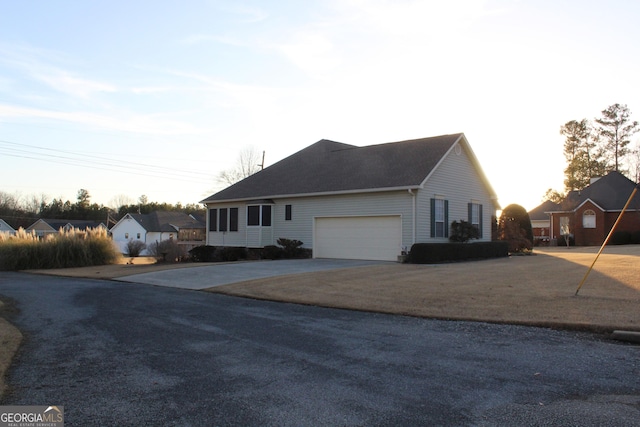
[
  {"x": 207, "y": 227},
  {"x": 413, "y": 214}
]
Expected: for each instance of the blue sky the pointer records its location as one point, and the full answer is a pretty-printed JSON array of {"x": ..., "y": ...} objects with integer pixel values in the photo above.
[{"x": 125, "y": 98}]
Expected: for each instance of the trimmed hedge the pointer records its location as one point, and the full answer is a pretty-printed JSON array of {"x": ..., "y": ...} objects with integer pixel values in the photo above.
[
  {"x": 434, "y": 253},
  {"x": 620, "y": 238},
  {"x": 287, "y": 249}
]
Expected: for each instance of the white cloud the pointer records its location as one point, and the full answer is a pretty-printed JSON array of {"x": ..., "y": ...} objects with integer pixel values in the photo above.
[
  {"x": 137, "y": 123},
  {"x": 39, "y": 65}
]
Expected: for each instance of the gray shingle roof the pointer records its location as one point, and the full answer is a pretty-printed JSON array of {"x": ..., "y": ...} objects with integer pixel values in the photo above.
[
  {"x": 166, "y": 221},
  {"x": 610, "y": 192},
  {"x": 539, "y": 213},
  {"x": 329, "y": 166}
]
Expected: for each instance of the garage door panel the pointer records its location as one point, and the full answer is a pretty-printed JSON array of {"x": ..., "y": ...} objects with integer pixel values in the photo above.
[{"x": 375, "y": 238}]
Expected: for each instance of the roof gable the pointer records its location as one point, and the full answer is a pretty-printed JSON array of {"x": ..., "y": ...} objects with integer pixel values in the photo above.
[
  {"x": 610, "y": 193},
  {"x": 5, "y": 226},
  {"x": 333, "y": 167}
]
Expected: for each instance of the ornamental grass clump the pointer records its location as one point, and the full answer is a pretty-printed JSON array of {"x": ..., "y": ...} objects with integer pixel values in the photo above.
[{"x": 67, "y": 248}]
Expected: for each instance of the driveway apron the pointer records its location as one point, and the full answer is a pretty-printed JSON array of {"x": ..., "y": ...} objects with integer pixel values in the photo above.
[{"x": 223, "y": 274}]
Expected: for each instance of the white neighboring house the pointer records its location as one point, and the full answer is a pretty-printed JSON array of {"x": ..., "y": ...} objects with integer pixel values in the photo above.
[
  {"x": 541, "y": 222},
  {"x": 6, "y": 228},
  {"x": 155, "y": 227},
  {"x": 345, "y": 201},
  {"x": 43, "y": 226}
]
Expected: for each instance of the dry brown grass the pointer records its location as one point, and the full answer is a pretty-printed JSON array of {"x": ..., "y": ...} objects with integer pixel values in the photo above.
[{"x": 533, "y": 290}]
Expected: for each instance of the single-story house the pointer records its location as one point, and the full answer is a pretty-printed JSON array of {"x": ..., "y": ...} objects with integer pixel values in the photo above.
[
  {"x": 6, "y": 228},
  {"x": 589, "y": 214},
  {"x": 187, "y": 230},
  {"x": 344, "y": 201},
  {"x": 43, "y": 226},
  {"x": 541, "y": 222}
]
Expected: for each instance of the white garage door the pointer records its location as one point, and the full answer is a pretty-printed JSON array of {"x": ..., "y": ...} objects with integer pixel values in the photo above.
[{"x": 366, "y": 237}]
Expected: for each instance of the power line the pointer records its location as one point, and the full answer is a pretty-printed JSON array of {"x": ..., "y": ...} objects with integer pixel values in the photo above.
[{"x": 100, "y": 162}]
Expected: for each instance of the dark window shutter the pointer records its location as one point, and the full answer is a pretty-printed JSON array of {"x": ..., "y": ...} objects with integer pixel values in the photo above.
[
  {"x": 433, "y": 217},
  {"x": 287, "y": 213},
  {"x": 480, "y": 221},
  {"x": 470, "y": 213},
  {"x": 213, "y": 219}
]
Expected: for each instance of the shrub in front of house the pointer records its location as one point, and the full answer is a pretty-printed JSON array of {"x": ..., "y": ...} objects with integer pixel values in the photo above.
[
  {"x": 435, "y": 253},
  {"x": 292, "y": 249},
  {"x": 635, "y": 238},
  {"x": 168, "y": 250},
  {"x": 203, "y": 253},
  {"x": 65, "y": 249},
  {"x": 463, "y": 231},
  {"x": 231, "y": 253},
  {"x": 135, "y": 247},
  {"x": 620, "y": 238},
  {"x": 272, "y": 252}
]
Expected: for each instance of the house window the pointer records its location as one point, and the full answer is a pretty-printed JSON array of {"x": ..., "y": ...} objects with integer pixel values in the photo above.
[
  {"x": 233, "y": 219},
  {"x": 287, "y": 213},
  {"x": 213, "y": 220},
  {"x": 253, "y": 215},
  {"x": 138, "y": 236},
  {"x": 589, "y": 219},
  {"x": 266, "y": 216},
  {"x": 126, "y": 235},
  {"x": 259, "y": 215},
  {"x": 439, "y": 218},
  {"x": 475, "y": 216}
]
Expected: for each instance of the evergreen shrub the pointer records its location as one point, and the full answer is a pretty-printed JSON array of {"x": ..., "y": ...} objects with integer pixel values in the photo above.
[{"x": 434, "y": 253}]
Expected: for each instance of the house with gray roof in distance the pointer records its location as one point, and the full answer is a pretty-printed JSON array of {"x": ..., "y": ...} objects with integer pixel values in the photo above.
[
  {"x": 345, "y": 201},
  {"x": 43, "y": 226},
  {"x": 6, "y": 228},
  {"x": 187, "y": 230},
  {"x": 541, "y": 222},
  {"x": 588, "y": 215}
]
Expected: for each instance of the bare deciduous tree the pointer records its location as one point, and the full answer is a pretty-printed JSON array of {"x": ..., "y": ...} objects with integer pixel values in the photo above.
[
  {"x": 120, "y": 200},
  {"x": 247, "y": 164}
]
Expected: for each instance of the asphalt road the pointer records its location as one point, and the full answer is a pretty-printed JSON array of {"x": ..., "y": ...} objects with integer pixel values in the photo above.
[{"x": 131, "y": 354}]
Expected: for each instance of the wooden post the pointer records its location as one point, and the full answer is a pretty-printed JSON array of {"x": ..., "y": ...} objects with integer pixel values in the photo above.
[{"x": 633, "y": 193}]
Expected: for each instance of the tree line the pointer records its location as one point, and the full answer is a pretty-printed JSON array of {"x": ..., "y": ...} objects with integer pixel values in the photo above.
[
  {"x": 23, "y": 211},
  {"x": 593, "y": 148}
]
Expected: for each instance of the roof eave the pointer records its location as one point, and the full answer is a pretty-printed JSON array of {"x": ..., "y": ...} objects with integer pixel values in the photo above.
[{"x": 318, "y": 194}]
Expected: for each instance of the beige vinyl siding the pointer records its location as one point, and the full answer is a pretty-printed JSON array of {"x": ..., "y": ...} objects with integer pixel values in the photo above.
[
  {"x": 455, "y": 180},
  {"x": 305, "y": 209},
  {"x": 229, "y": 238}
]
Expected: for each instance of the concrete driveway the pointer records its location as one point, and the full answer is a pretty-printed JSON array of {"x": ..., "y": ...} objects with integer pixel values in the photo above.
[{"x": 197, "y": 278}]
